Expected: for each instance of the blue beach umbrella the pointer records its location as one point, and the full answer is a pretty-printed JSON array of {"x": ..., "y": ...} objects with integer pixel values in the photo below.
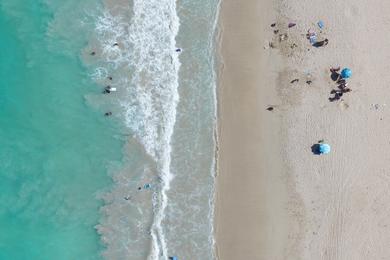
[
  {"x": 346, "y": 73},
  {"x": 324, "y": 148}
]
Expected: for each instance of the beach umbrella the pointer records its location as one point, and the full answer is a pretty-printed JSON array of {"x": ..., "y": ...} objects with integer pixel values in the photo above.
[
  {"x": 346, "y": 73},
  {"x": 324, "y": 148}
]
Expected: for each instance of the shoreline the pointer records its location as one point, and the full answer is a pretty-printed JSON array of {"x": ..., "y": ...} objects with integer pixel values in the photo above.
[{"x": 251, "y": 220}]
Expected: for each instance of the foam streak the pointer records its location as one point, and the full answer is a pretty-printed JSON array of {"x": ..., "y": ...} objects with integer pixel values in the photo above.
[{"x": 146, "y": 48}]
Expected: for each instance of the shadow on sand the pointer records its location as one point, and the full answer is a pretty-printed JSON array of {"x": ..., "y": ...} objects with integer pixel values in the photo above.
[{"x": 315, "y": 149}]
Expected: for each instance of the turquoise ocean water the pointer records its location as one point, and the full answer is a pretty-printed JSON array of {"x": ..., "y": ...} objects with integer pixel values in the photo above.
[
  {"x": 77, "y": 185},
  {"x": 55, "y": 150}
]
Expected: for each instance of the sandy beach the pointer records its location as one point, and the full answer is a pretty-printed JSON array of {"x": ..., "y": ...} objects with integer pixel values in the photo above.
[
  {"x": 252, "y": 191},
  {"x": 275, "y": 198}
]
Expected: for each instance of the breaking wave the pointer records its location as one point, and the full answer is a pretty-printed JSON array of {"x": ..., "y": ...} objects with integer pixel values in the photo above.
[{"x": 139, "y": 45}]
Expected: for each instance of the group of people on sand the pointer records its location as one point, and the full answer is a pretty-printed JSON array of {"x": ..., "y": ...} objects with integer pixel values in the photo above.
[
  {"x": 342, "y": 85},
  {"x": 312, "y": 37}
]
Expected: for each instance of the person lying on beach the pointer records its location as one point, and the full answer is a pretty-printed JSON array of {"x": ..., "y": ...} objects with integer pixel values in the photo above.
[
  {"x": 342, "y": 86},
  {"x": 341, "y": 81},
  {"x": 321, "y": 43},
  {"x": 337, "y": 69},
  {"x": 340, "y": 91},
  {"x": 290, "y": 25},
  {"x": 310, "y": 34},
  {"x": 337, "y": 95},
  {"x": 346, "y": 90}
]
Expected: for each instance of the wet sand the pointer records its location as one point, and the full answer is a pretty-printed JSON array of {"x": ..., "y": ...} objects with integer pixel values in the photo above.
[{"x": 275, "y": 198}]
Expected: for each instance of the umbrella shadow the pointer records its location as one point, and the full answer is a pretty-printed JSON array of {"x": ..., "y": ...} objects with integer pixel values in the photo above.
[
  {"x": 335, "y": 76},
  {"x": 315, "y": 149}
]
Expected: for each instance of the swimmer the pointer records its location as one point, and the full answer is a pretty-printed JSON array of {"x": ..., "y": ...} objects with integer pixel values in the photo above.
[{"x": 107, "y": 90}]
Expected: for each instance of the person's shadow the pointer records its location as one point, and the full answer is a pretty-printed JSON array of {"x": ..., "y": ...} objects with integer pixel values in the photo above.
[{"x": 315, "y": 149}]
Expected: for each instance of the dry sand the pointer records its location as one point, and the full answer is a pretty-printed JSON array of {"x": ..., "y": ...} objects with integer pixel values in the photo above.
[{"x": 275, "y": 199}]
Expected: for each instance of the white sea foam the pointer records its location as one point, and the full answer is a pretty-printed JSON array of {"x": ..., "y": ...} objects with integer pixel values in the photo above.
[
  {"x": 146, "y": 50},
  {"x": 99, "y": 73},
  {"x": 214, "y": 167}
]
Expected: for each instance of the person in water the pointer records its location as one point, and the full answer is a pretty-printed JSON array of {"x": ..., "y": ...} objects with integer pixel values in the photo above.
[{"x": 107, "y": 90}]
